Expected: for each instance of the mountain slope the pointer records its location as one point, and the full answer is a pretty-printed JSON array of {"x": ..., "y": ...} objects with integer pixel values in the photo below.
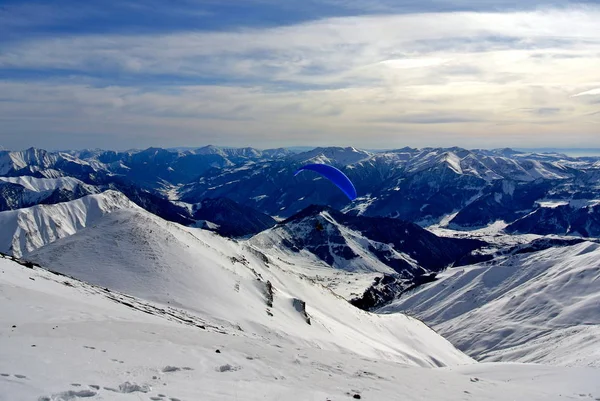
[
  {"x": 234, "y": 286},
  {"x": 66, "y": 340},
  {"x": 24, "y": 230},
  {"x": 505, "y": 200},
  {"x": 578, "y": 217},
  {"x": 533, "y": 307},
  {"x": 232, "y": 219}
]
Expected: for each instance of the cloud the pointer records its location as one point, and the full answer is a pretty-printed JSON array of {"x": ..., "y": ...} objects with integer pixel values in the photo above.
[
  {"x": 544, "y": 111},
  {"x": 472, "y": 77},
  {"x": 337, "y": 47},
  {"x": 591, "y": 92}
]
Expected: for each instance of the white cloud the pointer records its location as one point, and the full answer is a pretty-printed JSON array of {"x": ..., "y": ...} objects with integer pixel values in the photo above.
[{"x": 591, "y": 92}]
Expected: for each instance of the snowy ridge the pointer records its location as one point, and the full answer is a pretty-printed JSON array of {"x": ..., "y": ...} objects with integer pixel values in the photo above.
[
  {"x": 234, "y": 286},
  {"x": 35, "y": 158},
  {"x": 24, "y": 230},
  {"x": 44, "y": 184},
  {"x": 536, "y": 307},
  {"x": 482, "y": 164},
  {"x": 333, "y": 155}
]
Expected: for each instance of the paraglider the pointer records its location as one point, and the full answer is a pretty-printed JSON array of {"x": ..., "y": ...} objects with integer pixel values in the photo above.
[{"x": 334, "y": 175}]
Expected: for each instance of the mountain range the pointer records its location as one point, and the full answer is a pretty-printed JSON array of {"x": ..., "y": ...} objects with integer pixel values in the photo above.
[{"x": 464, "y": 189}]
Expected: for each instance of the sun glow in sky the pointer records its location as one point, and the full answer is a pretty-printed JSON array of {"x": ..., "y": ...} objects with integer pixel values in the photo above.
[{"x": 267, "y": 73}]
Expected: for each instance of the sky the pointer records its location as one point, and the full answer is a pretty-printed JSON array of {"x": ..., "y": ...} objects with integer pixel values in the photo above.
[{"x": 120, "y": 74}]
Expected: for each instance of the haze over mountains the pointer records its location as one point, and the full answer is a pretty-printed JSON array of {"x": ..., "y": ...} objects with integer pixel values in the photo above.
[{"x": 225, "y": 249}]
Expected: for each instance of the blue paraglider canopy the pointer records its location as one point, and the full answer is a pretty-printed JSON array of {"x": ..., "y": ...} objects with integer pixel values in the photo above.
[{"x": 334, "y": 175}]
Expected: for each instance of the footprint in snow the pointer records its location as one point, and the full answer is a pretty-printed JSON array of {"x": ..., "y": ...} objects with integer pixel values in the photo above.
[
  {"x": 171, "y": 369},
  {"x": 20, "y": 376},
  {"x": 371, "y": 375},
  {"x": 94, "y": 386},
  {"x": 4, "y": 374},
  {"x": 227, "y": 368},
  {"x": 127, "y": 388},
  {"x": 69, "y": 395}
]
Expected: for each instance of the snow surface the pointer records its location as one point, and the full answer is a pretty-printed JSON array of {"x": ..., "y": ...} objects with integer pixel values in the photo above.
[
  {"x": 24, "y": 230},
  {"x": 61, "y": 339},
  {"x": 347, "y": 284},
  {"x": 541, "y": 307}
]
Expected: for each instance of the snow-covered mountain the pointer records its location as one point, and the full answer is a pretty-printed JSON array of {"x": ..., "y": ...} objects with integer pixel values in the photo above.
[
  {"x": 333, "y": 155},
  {"x": 234, "y": 286},
  {"x": 25, "y": 191},
  {"x": 358, "y": 243},
  {"x": 399, "y": 254},
  {"x": 44, "y": 184},
  {"x": 425, "y": 186},
  {"x": 505, "y": 200},
  {"x": 576, "y": 217},
  {"x": 31, "y": 160},
  {"x": 529, "y": 306},
  {"x": 63, "y": 339},
  {"x": 44, "y": 164},
  {"x": 24, "y": 230}
]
